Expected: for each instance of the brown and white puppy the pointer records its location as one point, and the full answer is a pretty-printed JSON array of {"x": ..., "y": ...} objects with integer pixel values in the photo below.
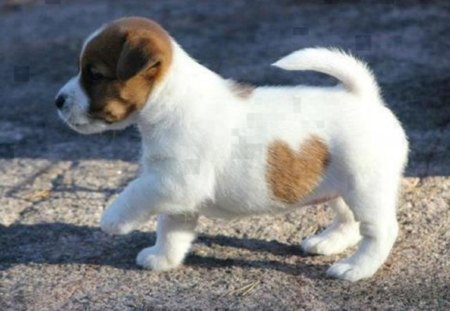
[{"x": 217, "y": 148}]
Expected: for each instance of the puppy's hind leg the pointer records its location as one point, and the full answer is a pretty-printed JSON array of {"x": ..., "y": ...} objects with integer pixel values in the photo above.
[
  {"x": 341, "y": 234},
  {"x": 174, "y": 236},
  {"x": 375, "y": 209}
]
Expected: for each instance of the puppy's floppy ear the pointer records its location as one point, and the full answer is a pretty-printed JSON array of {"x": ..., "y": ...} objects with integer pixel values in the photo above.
[{"x": 136, "y": 56}]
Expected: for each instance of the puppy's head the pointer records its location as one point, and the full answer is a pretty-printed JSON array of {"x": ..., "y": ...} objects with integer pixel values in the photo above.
[{"x": 119, "y": 66}]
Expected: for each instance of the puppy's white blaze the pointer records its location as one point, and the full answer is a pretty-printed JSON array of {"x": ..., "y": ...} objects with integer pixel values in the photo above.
[
  {"x": 77, "y": 99},
  {"x": 356, "y": 77},
  {"x": 79, "y": 96}
]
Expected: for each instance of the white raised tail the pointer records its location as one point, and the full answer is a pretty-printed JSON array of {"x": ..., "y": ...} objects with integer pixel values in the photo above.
[{"x": 354, "y": 74}]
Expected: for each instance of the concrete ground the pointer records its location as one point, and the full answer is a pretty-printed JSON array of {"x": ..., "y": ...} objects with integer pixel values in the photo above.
[{"x": 54, "y": 183}]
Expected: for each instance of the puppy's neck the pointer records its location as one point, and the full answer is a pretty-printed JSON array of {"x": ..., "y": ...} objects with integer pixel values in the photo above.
[
  {"x": 183, "y": 94},
  {"x": 190, "y": 100}
]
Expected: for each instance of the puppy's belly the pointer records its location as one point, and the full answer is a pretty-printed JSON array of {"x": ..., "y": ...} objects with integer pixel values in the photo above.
[
  {"x": 239, "y": 203},
  {"x": 230, "y": 209}
]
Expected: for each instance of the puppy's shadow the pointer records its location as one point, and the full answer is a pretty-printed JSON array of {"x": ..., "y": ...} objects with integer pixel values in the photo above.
[{"x": 61, "y": 243}]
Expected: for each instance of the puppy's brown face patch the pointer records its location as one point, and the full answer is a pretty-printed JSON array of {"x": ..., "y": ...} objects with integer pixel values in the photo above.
[
  {"x": 121, "y": 65},
  {"x": 292, "y": 174}
]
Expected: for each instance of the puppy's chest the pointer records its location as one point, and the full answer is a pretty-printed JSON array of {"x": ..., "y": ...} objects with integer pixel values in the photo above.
[{"x": 242, "y": 187}]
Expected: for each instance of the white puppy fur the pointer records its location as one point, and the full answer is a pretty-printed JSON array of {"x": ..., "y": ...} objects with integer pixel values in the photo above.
[{"x": 205, "y": 153}]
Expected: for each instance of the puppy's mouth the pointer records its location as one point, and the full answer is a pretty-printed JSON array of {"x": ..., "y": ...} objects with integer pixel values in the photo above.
[{"x": 87, "y": 125}]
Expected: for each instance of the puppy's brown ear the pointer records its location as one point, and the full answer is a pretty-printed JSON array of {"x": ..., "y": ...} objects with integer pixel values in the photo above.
[{"x": 136, "y": 56}]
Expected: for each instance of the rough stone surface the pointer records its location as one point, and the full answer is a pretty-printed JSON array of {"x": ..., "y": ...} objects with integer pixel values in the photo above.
[{"x": 54, "y": 183}]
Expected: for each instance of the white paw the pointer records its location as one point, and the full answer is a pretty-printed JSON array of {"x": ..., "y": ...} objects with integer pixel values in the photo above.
[
  {"x": 152, "y": 258},
  {"x": 349, "y": 271},
  {"x": 113, "y": 224},
  {"x": 333, "y": 240}
]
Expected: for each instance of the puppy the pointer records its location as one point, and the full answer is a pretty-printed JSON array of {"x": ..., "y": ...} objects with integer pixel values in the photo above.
[{"x": 218, "y": 148}]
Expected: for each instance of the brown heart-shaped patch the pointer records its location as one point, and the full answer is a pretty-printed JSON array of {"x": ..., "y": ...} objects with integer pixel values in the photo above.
[{"x": 293, "y": 175}]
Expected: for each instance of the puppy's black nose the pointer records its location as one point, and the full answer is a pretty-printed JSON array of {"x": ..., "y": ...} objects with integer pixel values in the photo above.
[{"x": 60, "y": 100}]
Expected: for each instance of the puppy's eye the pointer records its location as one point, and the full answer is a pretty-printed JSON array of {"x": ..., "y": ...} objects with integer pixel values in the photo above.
[{"x": 94, "y": 74}]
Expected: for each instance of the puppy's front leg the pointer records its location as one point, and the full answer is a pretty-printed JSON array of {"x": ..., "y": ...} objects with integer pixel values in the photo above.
[
  {"x": 175, "y": 234},
  {"x": 134, "y": 206},
  {"x": 118, "y": 218}
]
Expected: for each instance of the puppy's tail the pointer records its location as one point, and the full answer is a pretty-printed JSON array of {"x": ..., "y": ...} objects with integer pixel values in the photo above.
[{"x": 353, "y": 73}]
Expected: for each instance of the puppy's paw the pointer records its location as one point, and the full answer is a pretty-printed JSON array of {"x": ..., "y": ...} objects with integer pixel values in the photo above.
[
  {"x": 333, "y": 240},
  {"x": 321, "y": 246},
  {"x": 113, "y": 224},
  {"x": 152, "y": 258},
  {"x": 350, "y": 272}
]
